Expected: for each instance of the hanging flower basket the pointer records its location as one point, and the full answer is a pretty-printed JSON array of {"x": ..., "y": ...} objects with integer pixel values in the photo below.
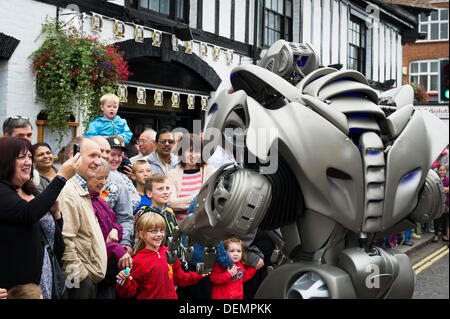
[
  {"x": 420, "y": 94},
  {"x": 72, "y": 71}
]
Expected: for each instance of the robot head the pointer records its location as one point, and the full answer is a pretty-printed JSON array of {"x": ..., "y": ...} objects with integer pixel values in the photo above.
[{"x": 288, "y": 59}]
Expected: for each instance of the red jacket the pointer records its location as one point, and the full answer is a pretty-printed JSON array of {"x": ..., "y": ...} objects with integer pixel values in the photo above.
[
  {"x": 223, "y": 287},
  {"x": 154, "y": 278}
]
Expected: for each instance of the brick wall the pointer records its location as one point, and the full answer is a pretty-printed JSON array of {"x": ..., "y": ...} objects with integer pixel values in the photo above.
[{"x": 424, "y": 50}]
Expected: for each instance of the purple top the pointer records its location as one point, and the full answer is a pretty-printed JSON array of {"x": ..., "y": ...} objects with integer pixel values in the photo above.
[
  {"x": 107, "y": 221},
  {"x": 445, "y": 182}
]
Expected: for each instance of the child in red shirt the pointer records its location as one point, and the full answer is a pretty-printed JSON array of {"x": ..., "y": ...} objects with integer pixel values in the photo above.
[
  {"x": 151, "y": 276},
  {"x": 229, "y": 283}
]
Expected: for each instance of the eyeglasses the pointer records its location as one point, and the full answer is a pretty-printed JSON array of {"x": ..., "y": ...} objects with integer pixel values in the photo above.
[
  {"x": 166, "y": 141},
  {"x": 142, "y": 141},
  {"x": 156, "y": 231}
]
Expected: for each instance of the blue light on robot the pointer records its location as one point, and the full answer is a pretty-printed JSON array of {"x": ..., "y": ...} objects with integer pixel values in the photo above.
[
  {"x": 409, "y": 177},
  {"x": 302, "y": 61},
  {"x": 373, "y": 153}
]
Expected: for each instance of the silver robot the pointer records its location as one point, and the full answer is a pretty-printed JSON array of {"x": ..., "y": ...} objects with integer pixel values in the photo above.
[{"x": 351, "y": 166}]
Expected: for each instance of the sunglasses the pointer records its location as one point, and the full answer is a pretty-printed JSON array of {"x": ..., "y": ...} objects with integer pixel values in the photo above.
[{"x": 166, "y": 141}]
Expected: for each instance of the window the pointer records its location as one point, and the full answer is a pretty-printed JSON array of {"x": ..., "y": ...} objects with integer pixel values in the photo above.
[
  {"x": 436, "y": 25},
  {"x": 171, "y": 8},
  {"x": 357, "y": 45},
  {"x": 425, "y": 73},
  {"x": 277, "y": 21}
]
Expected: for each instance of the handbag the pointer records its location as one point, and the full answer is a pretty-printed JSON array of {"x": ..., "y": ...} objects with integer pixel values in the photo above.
[{"x": 58, "y": 281}]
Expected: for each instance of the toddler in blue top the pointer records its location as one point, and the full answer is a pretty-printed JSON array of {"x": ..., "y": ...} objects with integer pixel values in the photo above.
[{"x": 109, "y": 123}]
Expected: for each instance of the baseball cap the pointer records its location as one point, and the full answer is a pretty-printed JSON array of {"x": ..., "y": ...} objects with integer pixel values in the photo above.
[{"x": 115, "y": 142}]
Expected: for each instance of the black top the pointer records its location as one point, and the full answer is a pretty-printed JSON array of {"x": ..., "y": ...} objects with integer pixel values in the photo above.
[{"x": 20, "y": 234}]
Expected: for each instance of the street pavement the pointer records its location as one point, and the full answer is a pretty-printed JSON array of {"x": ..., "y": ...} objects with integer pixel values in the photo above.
[
  {"x": 417, "y": 244},
  {"x": 431, "y": 264}
]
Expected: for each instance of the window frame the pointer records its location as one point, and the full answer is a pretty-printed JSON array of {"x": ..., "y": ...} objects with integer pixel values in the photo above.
[
  {"x": 429, "y": 22},
  {"x": 361, "y": 48},
  {"x": 428, "y": 73},
  {"x": 286, "y": 22},
  {"x": 172, "y": 9}
]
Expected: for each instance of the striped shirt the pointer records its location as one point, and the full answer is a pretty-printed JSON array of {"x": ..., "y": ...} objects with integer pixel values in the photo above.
[{"x": 191, "y": 185}]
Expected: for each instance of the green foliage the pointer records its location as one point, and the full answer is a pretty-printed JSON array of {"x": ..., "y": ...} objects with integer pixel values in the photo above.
[{"x": 72, "y": 71}]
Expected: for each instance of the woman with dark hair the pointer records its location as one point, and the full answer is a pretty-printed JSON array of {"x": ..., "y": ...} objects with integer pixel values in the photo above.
[
  {"x": 43, "y": 161},
  {"x": 25, "y": 256},
  {"x": 187, "y": 179}
]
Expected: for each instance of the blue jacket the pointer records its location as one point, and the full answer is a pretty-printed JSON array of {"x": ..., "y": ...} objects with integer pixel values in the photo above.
[
  {"x": 104, "y": 127},
  {"x": 222, "y": 257}
]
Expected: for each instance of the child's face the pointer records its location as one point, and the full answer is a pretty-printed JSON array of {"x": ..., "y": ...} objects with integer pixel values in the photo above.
[
  {"x": 141, "y": 173},
  {"x": 160, "y": 193},
  {"x": 96, "y": 184},
  {"x": 442, "y": 171},
  {"x": 153, "y": 238},
  {"x": 234, "y": 251},
  {"x": 109, "y": 109}
]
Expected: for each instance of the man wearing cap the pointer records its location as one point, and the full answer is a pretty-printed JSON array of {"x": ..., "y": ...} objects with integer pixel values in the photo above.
[{"x": 119, "y": 194}]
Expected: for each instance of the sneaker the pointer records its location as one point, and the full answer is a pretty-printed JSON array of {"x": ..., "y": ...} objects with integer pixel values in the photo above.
[
  {"x": 415, "y": 236},
  {"x": 408, "y": 243},
  {"x": 431, "y": 230}
]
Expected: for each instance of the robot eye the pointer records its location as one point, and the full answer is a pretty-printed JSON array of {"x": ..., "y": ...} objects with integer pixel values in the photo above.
[{"x": 301, "y": 63}]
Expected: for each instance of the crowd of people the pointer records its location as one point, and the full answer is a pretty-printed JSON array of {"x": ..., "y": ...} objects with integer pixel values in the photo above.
[
  {"x": 97, "y": 224},
  {"x": 440, "y": 226}
]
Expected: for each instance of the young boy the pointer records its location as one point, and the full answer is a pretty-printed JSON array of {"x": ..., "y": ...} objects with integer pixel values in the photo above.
[
  {"x": 140, "y": 172},
  {"x": 155, "y": 199},
  {"x": 109, "y": 123}
]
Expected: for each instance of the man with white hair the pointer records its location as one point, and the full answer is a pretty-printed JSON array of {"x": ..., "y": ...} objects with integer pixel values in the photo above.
[{"x": 147, "y": 145}]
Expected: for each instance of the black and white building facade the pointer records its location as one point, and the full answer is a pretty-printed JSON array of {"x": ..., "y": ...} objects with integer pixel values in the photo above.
[{"x": 363, "y": 35}]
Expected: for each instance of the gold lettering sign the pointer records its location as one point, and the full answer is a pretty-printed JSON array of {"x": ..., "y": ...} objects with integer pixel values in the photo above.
[
  {"x": 97, "y": 22},
  {"x": 216, "y": 53},
  {"x": 141, "y": 96},
  {"x": 191, "y": 101},
  {"x": 175, "y": 100},
  {"x": 203, "y": 49},
  {"x": 158, "y": 98},
  {"x": 189, "y": 46},
  {"x": 119, "y": 29},
  {"x": 204, "y": 103},
  {"x": 122, "y": 93},
  {"x": 157, "y": 38},
  {"x": 174, "y": 43},
  {"x": 139, "y": 34}
]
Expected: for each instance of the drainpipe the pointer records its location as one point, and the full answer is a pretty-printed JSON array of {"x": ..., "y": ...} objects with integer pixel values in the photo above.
[{"x": 255, "y": 33}]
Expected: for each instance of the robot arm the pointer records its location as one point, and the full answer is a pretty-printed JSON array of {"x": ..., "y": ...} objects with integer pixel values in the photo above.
[{"x": 232, "y": 202}]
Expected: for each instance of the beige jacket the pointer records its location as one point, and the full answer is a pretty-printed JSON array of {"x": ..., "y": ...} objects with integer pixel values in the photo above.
[
  {"x": 175, "y": 177},
  {"x": 85, "y": 253}
]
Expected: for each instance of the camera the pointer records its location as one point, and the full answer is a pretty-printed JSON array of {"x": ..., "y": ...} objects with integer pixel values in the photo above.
[{"x": 125, "y": 161}]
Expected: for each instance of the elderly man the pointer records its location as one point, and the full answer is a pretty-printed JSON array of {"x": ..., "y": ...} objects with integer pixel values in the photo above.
[
  {"x": 84, "y": 261},
  {"x": 146, "y": 144},
  {"x": 105, "y": 148}
]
